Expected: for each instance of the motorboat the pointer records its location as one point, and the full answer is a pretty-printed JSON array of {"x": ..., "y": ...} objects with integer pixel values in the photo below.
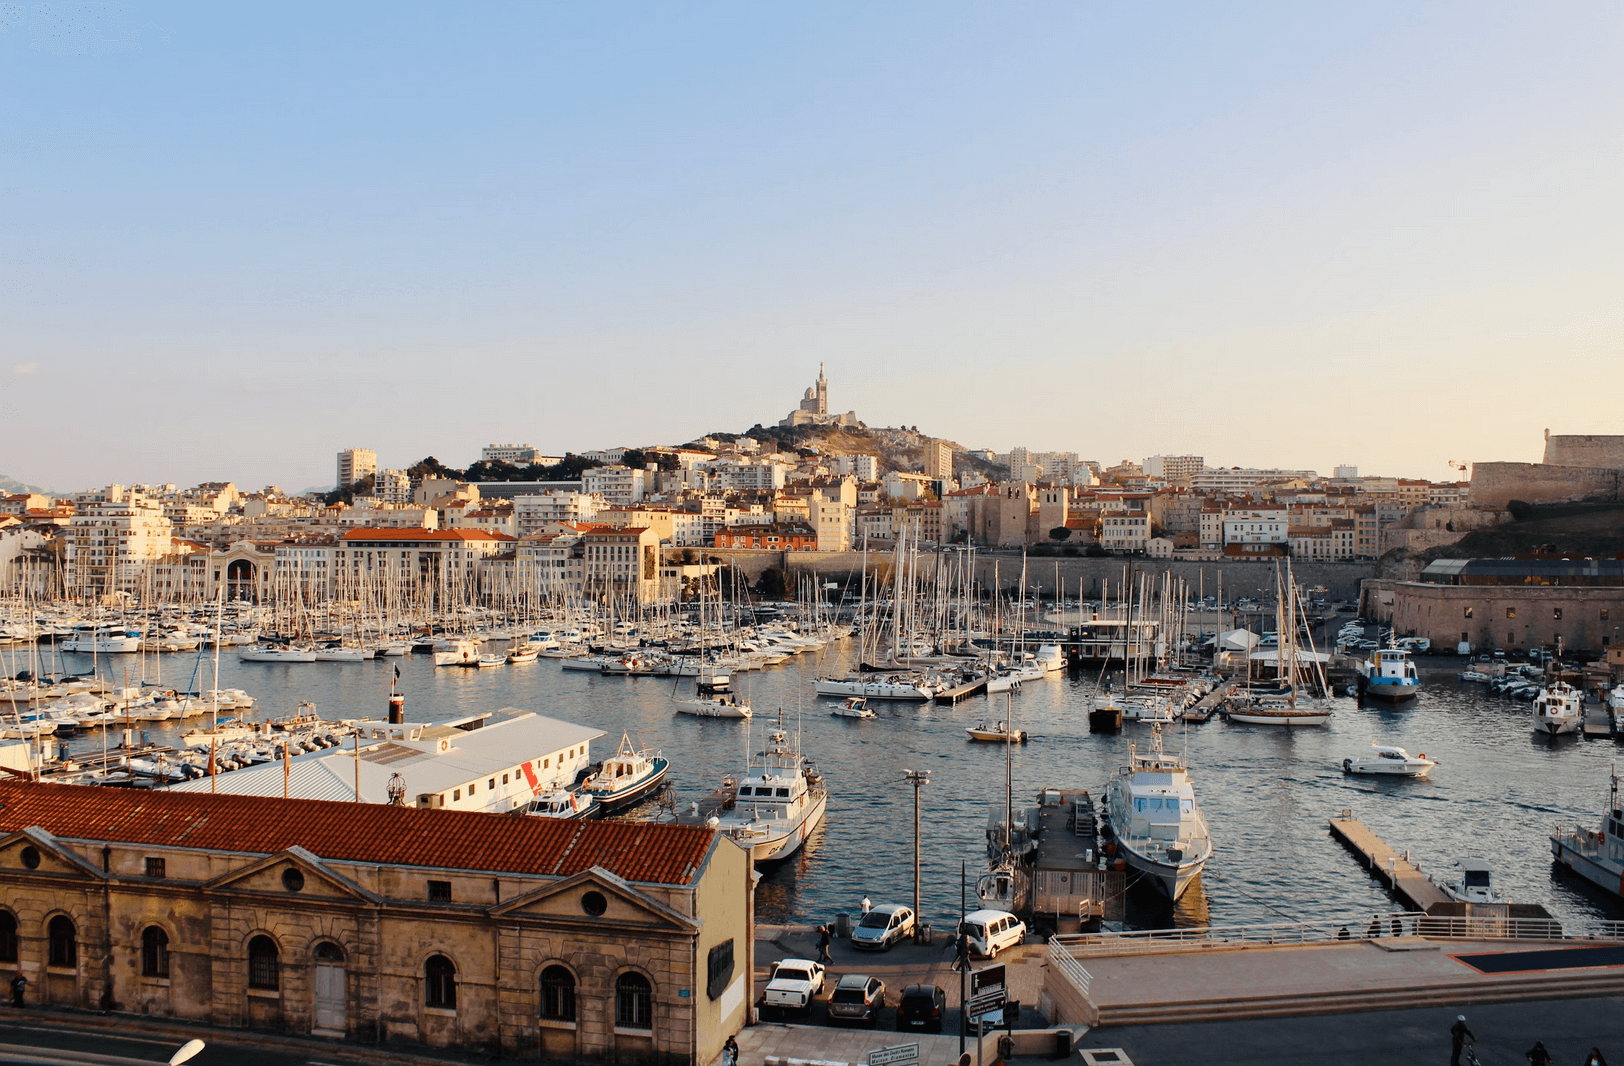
[
  {"x": 779, "y": 802},
  {"x": 1051, "y": 658},
  {"x": 1152, "y": 814},
  {"x": 457, "y": 653},
  {"x": 1474, "y": 677},
  {"x": 1000, "y": 733},
  {"x": 625, "y": 777},
  {"x": 1558, "y": 709},
  {"x": 338, "y": 653},
  {"x": 225, "y": 731},
  {"x": 856, "y": 707},
  {"x": 523, "y": 652},
  {"x": 1596, "y": 854},
  {"x": 633, "y": 666},
  {"x": 1474, "y": 885},
  {"x": 1389, "y": 674},
  {"x": 103, "y": 641},
  {"x": 276, "y": 653},
  {"x": 562, "y": 803},
  {"x": 1388, "y": 761},
  {"x": 488, "y": 661}
]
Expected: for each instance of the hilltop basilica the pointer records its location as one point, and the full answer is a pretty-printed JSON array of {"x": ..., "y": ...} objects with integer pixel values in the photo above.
[{"x": 814, "y": 408}]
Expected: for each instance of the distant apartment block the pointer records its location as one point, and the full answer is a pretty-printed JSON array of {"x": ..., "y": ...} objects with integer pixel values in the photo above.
[
  {"x": 355, "y": 464},
  {"x": 1240, "y": 480},
  {"x": 938, "y": 460},
  {"x": 618, "y": 484},
  {"x": 1174, "y": 469},
  {"x": 517, "y": 454},
  {"x": 393, "y": 486}
]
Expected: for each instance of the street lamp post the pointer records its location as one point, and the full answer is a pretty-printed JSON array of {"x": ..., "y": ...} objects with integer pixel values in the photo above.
[{"x": 917, "y": 778}]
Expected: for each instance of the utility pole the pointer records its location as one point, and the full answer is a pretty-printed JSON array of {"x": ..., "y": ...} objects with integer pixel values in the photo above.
[{"x": 917, "y": 778}]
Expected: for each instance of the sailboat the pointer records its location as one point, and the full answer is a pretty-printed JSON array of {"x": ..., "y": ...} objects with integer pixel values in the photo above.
[
  {"x": 1282, "y": 705},
  {"x": 1005, "y": 884}
]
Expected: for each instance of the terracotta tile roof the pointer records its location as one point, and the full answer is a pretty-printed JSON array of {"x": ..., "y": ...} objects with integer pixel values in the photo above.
[
  {"x": 413, "y": 533},
  {"x": 358, "y": 832}
]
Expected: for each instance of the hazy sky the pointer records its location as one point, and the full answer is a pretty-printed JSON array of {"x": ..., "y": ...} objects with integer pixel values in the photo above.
[{"x": 235, "y": 238}]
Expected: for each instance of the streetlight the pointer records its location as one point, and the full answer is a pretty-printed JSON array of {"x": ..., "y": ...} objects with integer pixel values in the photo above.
[{"x": 917, "y": 778}]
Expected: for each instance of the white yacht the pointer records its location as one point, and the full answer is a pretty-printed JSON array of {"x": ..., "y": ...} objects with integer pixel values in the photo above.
[
  {"x": 277, "y": 653},
  {"x": 856, "y": 707},
  {"x": 104, "y": 641},
  {"x": 779, "y": 803},
  {"x": 1050, "y": 657},
  {"x": 1388, "y": 761},
  {"x": 1153, "y": 815},
  {"x": 887, "y": 687},
  {"x": 712, "y": 705},
  {"x": 457, "y": 653},
  {"x": 1559, "y": 708}
]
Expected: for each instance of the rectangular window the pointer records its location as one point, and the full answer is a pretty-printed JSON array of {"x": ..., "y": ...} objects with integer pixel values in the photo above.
[
  {"x": 155, "y": 867},
  {"x": 456, "y": 793},
  {"x": 1604, "y": 614},
  {"x": 1511, "y": 612},
  {"x": 719, "y": 970},
  {"x": 1468, "y": 612},
  {"x": 492, "y": 784},
  {"x": 504, "y": 779},
  {"x": 439, "y": 891},
  {"x": 472, "y": 785}
]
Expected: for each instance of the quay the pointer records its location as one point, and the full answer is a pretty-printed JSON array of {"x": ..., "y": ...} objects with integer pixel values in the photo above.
[
  {"x": 1403, "y": 877},
  {"x": 1600, "y": 729},
  {"x": 1071, "y": 884},
  {"x": 959, "y": 692},
  {"x": 1209, "y": 704}
]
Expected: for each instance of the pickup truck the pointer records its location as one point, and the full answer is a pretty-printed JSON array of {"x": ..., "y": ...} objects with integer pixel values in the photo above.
[{"x": 794, "y": 984}]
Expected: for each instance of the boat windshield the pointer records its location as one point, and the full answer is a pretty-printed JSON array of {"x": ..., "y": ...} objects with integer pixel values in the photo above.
[{"x": 1477, "y": 879}]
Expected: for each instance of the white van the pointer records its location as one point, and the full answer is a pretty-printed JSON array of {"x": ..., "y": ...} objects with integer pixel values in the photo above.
[{"x": 992, "y": 931}]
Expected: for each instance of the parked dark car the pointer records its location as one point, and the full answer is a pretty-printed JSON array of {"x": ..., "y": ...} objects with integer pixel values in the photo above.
[
  {"x": 922, "y": 1007},
  {"x": 857, "y": 998}
]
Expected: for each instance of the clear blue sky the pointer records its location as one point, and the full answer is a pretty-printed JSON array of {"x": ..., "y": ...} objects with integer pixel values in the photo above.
[{"x": 236, "y": 238}]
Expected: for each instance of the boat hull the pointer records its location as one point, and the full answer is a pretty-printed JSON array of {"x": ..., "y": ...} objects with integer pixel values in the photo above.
[
  {"x": 775, "y": 849},
  {"x": 1556, "y": 727},
  {"x": 1169, "y": 878},
  {"x": 610, "y": 802},
  {"x": 1391, "y": 691}
]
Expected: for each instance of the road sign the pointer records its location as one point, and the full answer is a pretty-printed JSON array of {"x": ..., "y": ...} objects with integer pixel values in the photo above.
[
  {"x": 986, "y": 1003},
  {"x": 986, "y": 979},
  {"x": 895, "y": 1055}
]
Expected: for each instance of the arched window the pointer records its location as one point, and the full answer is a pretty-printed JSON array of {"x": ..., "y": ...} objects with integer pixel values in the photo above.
[
  {"x": 264, "y": 964},
  {"x": 154, "y": 952},
  {"x": 8, "y": 937},
  {"x": 634, "y": 1002},
  {"x": 329, "y": 952},
  {"x": 557, "y": 994},
  {"x": 63, "y": 940},
  {"x": 440, "y": 983}
]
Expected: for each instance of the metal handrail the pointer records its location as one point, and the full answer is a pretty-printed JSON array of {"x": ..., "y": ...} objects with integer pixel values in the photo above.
[
  {"x": 1406, "y": 923},
  {"x": 1066, "y": 962}
]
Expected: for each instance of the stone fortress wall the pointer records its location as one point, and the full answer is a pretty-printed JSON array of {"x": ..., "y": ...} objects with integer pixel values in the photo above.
[{"x": 1576, "y": 467}]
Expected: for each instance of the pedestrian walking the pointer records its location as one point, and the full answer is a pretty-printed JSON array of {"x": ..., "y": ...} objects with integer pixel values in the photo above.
[
  {"x": 730, "y": 1052},
  {"x": 1538, "y": 1056},
  {"x": 1459, "y": 1037},
  {"x": 823, "y": 944},
  {"x": 19, "y": 985}
]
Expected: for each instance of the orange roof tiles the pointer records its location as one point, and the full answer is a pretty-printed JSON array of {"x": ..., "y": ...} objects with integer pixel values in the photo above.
[
  {"x": 358, "y": 832},
  {"x": 413, "y": 533}
]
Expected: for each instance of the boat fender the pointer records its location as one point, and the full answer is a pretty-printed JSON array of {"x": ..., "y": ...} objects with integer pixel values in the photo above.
[
  {"x": 1347, "y": 766},
  {"x": 1120, "y": 865}
]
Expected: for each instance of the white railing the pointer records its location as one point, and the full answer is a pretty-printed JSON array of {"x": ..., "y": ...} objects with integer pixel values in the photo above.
[
  {"x": 1065, "y": 961},
  {"x": 1409, "y": 923}
]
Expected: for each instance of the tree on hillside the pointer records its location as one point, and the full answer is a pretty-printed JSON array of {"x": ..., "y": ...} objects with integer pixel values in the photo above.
[
  {"x": 1059, "y": 533},
  {"x": 432, "y": 467}
]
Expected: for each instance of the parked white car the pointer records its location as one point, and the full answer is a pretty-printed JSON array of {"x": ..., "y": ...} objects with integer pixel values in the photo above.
[
  {"x": 882, "y": 927},
  {"x": 794, "y": 984},
  {"x": 992, "y": 931}
]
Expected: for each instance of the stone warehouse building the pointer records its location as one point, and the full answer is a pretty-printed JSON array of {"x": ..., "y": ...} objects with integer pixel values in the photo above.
[
  {"x": 1507, "y": 604},
  {"x": 531, "y": 937}
]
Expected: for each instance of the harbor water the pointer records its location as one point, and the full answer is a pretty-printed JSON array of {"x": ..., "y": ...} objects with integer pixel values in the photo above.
[{"x": 1267, "y": 792}]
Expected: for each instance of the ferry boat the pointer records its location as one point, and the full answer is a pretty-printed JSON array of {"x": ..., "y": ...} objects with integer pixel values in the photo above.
[
  {"x": 625, "y": 777},
  {"x": 893, "y": 687},
  {"x": 1388, "y": 761},
  {"x": 1558, "y": 709},
  {"x": 780, "y": 801},
  {"x": 1159, "y": 830},
  {"x": 1597, "y": 854},
  {"x": 1389, "y": 674},
  {"x": 562, "y": 803}
]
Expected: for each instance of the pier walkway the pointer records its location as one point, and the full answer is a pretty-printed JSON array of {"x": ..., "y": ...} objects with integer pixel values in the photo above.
[
  {"x": 1209, "y": 704},
  {"x": 959, "y": 692},
  {"x": 1393, "y": 869}
]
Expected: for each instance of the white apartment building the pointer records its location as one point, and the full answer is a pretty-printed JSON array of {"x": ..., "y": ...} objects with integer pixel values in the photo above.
[
  {"x": 1237, "y": 479},
  {"x": 532, "y": 514},
  {"x": 548, "y": 567},
  {"x": 863, "y": 467},
  {"x": 618, "y": 485},
  {"x": 834, "y": 522},
  {"x": 748, "y": 476},
  {"x": 109, "y": 544},
  {"x": 355, "y": 464},
  {"x": 517, "y": 454},
  {"x": 1256, "y": 526},
  {"x": 439, "y": 563},
  {"x": 1126, "y": 531},
  {"x": 392, "y": 486},
  {"x": 1175, "y": 469}
]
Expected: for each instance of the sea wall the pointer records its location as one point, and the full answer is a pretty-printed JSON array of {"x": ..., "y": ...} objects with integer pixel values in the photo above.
[
  {"x": 1496, "y": 484},
  {"x": 1591, "y": 450},
  {"x": 1340, "y": 580}
]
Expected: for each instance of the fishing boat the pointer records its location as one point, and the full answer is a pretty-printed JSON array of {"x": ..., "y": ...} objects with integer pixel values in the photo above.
[
  {"x": 1388, "y": 761},
  {"x": 997, "y": 734},
  {"x": 856, "y": 707},
  {"x": 625, "y": 777},
  {"x": 562, "y": 803},
  {"x": 779, "y": 802},
  {"x": 1158, "y": 828},
  {"x": 1389, "y": 674},
  {"x": 1558, "y": 709}
]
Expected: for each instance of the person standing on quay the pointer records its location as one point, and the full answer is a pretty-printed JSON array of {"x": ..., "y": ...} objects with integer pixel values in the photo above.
[
  {"x": 867, "y": 906},
  {"x": 1459, "y": 1037},
  {"x": 730, "y": 1052}
]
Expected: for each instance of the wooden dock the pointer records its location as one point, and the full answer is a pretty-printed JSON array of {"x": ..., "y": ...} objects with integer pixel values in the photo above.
[
  {"x": 959, "y": 692},
  {"x": 1209, "y": 704},
  {"x": 1598, "y": 729},
  {"x": 1403, "y": 877}
]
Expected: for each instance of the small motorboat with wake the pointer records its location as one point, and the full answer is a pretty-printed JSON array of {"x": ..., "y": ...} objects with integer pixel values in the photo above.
[
  {"x": 856, "y": 707},
  {"x": 1388, "y": 761},
  {"x": 1000, "y": 733}
]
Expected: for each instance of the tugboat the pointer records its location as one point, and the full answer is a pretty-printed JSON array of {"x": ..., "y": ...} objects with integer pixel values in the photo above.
[
  {"x": 1153, "y": 814},
  {"x": 779, "y": 802},
  {"x": 625, "y": 777},
  {"x": 1558, "y": 709}
]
